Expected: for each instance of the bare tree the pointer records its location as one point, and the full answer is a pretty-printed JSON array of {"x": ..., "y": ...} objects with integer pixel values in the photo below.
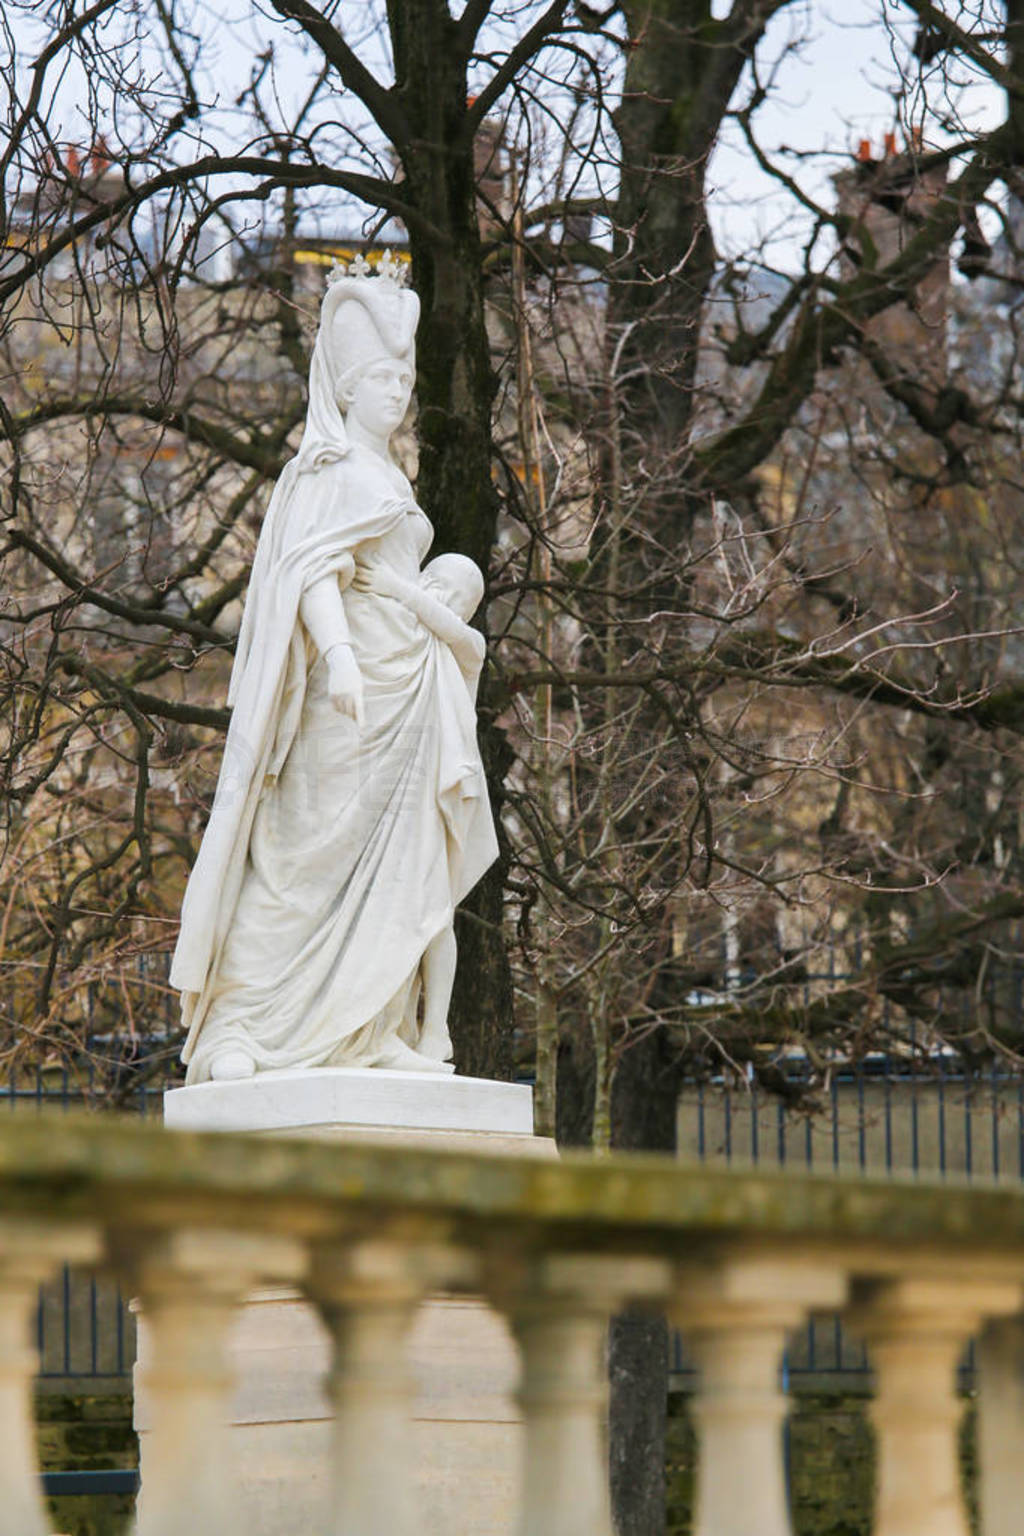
[
  {"x": 110, "y": 258},
  {"x": 752, "y": 534},
  {"x": 812, "y": 492}
]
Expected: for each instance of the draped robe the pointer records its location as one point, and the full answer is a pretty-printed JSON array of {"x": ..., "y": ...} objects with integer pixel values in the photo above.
[{"x": 333, "y": 855}]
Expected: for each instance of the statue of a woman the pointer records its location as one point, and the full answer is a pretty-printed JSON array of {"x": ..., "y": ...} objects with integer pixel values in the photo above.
[{"x": 351, "y": 814}]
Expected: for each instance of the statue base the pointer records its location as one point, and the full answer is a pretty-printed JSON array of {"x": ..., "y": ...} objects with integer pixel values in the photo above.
[
  {"x": 466, "y": 1423},
  {"x": 353, "y": 1103}
]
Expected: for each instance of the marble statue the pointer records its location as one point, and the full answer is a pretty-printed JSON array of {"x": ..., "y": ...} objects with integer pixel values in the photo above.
[{"x": 351, "y": 813}]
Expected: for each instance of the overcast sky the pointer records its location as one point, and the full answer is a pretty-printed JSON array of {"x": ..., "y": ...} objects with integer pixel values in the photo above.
[
  {"x": 834, "y": 87},
  {"x": 837, "y": 67},
  {"x": 838, "y": 62}
]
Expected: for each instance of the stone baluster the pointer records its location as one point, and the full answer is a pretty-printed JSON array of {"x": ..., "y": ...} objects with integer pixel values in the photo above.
[
  {"x": 190, "y": 1282},
  {"x": 559, "y": 1305},
  {"x": 915, "y": 1329},
  {"x": 736, "y": 1314},
  {"x": 1001, "y": 1427},
  {"x": 368, "y": 1292},
  {"x": 29, "y": 1252}
]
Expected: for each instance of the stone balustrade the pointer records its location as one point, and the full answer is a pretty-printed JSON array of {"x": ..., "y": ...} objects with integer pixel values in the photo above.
[{"x": 737, "y": 1259}]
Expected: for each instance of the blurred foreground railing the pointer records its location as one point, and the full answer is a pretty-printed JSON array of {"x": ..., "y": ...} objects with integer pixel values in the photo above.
[
  {"x": 888, "y": 1115},
  {"x": 737, "y": 1259}
]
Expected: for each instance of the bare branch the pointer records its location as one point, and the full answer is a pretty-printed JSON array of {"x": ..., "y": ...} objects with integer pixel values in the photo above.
[
  {"x": 383, "y": 104},
  {"x": 534, "y": 38}
]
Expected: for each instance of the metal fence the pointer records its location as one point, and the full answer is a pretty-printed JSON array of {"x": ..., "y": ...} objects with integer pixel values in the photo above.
[
  {"x": 924, "y": 1116},
  {"x": 885, "y": 1116},
  {"x": 64, "y": 1089},
  {"x": 85, "y": 1332}
]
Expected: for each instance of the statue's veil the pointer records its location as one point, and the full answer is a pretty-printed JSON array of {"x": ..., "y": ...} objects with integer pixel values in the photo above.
[{"x": 362, "y": 320}]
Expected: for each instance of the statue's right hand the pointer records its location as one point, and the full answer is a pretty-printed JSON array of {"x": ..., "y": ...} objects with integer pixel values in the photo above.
[
  {"x": 376, "y": 578},
  {"x": 345, "y": 682}
]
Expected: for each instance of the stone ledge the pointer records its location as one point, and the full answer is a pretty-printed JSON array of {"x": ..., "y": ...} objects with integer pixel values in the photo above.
[
  {"x": 67, "y": 1167},
  {"x": 343, "y": 1098}
]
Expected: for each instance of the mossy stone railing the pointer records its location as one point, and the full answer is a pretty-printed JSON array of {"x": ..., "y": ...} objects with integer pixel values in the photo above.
[{"x": 737, "y": 1259}]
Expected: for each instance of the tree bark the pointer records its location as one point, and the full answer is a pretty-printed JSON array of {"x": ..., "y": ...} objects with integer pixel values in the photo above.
[
  {"x": 455, "y": 394},
  {"x": 683, "y": 67},
  {"x": 644, "y": 1097}
]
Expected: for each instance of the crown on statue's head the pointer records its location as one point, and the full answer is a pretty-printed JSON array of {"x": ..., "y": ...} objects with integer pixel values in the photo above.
[{"x": 390, "y": 271}]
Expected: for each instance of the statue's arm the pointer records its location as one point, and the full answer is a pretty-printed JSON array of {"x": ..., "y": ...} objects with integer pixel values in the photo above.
[
  {"x": 467, "y": 644},
  {"x": 322, "y": 611}
]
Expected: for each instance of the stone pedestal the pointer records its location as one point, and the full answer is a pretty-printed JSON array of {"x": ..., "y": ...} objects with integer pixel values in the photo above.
[
  {"x": 467, "y": 1112},
  {"x": 466, "y": 1423}
]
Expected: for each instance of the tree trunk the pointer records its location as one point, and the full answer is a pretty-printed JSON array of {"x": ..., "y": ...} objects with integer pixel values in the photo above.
[
  {"x": 455, "y": 394},
  {"x": 644, "y": 1098},
  {"x": 574, "y": 1097},
  {"x": 481, "y": 1015},
  {"x": 682, "y": 69},
  {"x": 666, "y": 255}
]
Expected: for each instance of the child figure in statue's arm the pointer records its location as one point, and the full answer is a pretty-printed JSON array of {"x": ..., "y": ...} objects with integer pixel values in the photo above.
[{"x": 448, "y": 593}]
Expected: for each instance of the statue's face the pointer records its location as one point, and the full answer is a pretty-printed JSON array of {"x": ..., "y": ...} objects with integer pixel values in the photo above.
[{"x": 380, "y": 396}]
